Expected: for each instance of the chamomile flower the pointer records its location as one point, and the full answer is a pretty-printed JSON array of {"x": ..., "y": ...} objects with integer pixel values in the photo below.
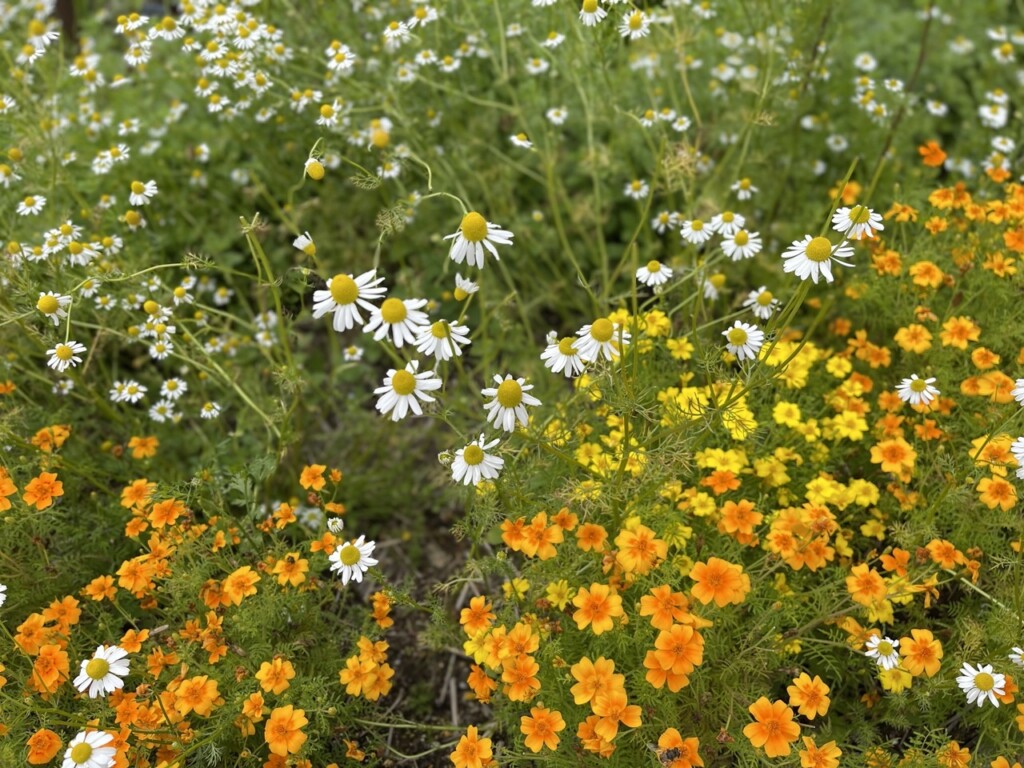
[
  {"x": 209, "y": 410},
  {"x": 304, "y": 243},
  {"x": 664, "y": 221},
  {"x": 653, "y": 274},
  {"x": 142, "y": 192},
  {"x": 858, "y": 222},
  {"x": 104, "y": 673},
  {"x": 129, "y": 391},
  {"x": 52, "y": 305},
  {"x": 600, "y": 338},
  {"x": 1018, "y": 391},
  {"x": 511, "y": 397},
  {"x": 591, "y": 13},
  {"x": 695, "y": 232},
  {"x": 727, "y": 223},
  {"x": 744, "y": 340},
  {"x": 981, "y": 684},
  {"x": 352, "y": 559},
  {"x": 1017, "y": 449},
  {"x": 3, "y": 594},
  {"x": 637, "y": 189},
  {"x": 741, "y": 245},
  {"x": 443, "y": 340},
  {"x": 520, "y": 140},
  {"x": 883, "y": 650},
  {"x": 473, "y": 463},
  {"x": 812, "y": 257},
  {"x": 173, "y": 388},
  {"x": 31, "y": 205},
  {"x": 475, "y": 234},
  {"x": 557, "y": 115},
  {"x": 403, "y": 319},
  {"x": 560, "y": 356},
  {"x": 65, "y": 355},
  {"x": 90, "y": 749},
  {"x": 352, "y": 354},
  {"x": 635, "y": 24},
  {"x": 744, "y": 189},
  {"x": 762, "y": 303},
  {"x": 403, "y": 390},
  {"x": 345, "y": 295},
  {"x": 917, "y": 391},
  {"x": 464, "y": 288}
]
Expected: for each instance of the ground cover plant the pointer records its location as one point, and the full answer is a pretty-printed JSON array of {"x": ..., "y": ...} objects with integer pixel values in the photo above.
[{"x": 532, "y": 383}]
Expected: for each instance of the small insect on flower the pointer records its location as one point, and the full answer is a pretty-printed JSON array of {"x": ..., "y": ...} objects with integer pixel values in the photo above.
[
  {"x": 744, "y": 340},
  {"x": 981, "y": 684},
  {"x": 511, "y": 397},
  {"x": 812, "y": 257},
  {"x": 475, "y": 234},
  {"x": 653, "y": 274},
  {"x": 353, "y": 559},
  {"x": 64, "y": 356},
  {"x": 883, "y": 650},
  {"x": 404, "y": 390},
  {"x": 344, "y": 295},
  {"x": 917, "y": 391},
  {"x": 858, "y": 222},
  {"x": 90, "y": 749},
  {"x": 104, "y": 672},
  {"x": 473, "y": 463}
]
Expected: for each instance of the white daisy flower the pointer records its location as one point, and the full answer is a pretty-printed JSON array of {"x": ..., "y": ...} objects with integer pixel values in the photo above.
[
  {"x": 352, "y": 354},
  {"x": 520, "y": 140},
  {"x": 353, "y": 559},
  {"x": 474, "y": 234},
  {"x": 741, "y": 245},
  {"x": 3, "y": 594},
  {"x": 511, "y": 397},
  {"x": 473, "y": 464},
  {"x": 762, "y": 303},
  {"x": 557, "y": 115},
  {"x": 591, "y": 13},
  {"x": 173, "y": 388},
  {"x": 1017, "y": 449},
  {"x": 562, "y": 357},
  {"x": 404, "y": 390},
  {"x": 64, "y": 356},
  {"x": 744, "y": 189},
  {"x": 304, "y": 243},
  {"x": 90, "y": 749},
  {"x": 981, "y": 684},
  {"x": 883, "y": 651},
  {"x": 129, "y": 391},
  {"x": 442, "y": 340},
  {"x": 163, "y": 410},
  {"x": 31, "y": 205},
  {"x": 637, "y": 189},
  {"x": 1016, "y": 656},
  {"x": 917, "y": 391},
  {"x": 635, "y": 25},
  {"x": 665, "y": 220},
  {"x": 209, "y": 410},
  {"x": 727, "y": 223},
  {"x": 602, "y": 337},
  {"x": 142, "y": 193},
  {"x": 744, "y": 340},
  {"x": 336, "y": 524},
  {"x": 1018, "y": 391},
  {"x": 344, "y": 295},
  {"x": 464, "y": 288},
  {"x": 402, "y": 318},
  {"x": 52, "y": 305},
  {"x": 812, "y": 257},
  {"x": 104, "y": 673},
  {"x": 858, "y": 222},
  {"x": 653, "y": 274},
  {"x": 695, "y": 232}
]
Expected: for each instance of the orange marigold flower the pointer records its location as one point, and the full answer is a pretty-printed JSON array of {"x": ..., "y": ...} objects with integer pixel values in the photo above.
[
  {"x": 665, "y": 607},
  {"x": 809, "y": 696},
  {"x": 639, "y": 550},
  {"x": 520, "y": 676},
  {"x": 1002, "y": 762},
  {"x": 997, "y": 492},
  {"x": 773, "y": 727},
  {"x": 593, "y": 678},
  {"x": 598, "y": 606},
  {"x": 291, "y": 569},
  {"x": 932, "y": 154},
  {"x": 43, "y": 745},
  {"x": 166, "y": 512},
  {"x": 381, "y": 610},
  {"x": 565, "y": 519},
  {"x": 143, "y": 447},
  {"x": 676, "y": 752},
  {"x": 721, "y": 581},
  {"x": 953, "y": 756},
  {"x": 358, "y": 674},
  {"x": 472, "y": 751},
  {"x": 7, "y": 488},
  {"x": 897, "y": 561},
  {"x": 49, "y": 669},
  {"x": 100, "y": 588},
  {"x": 739, "y": 518},
  {"x": 283, "y": 732},
  {"x": 958, "y": 331},
  {"x": 274, "y": 675},
  {"x": 914, "y": 338},
  {"x": 312, "y": 477},
  {"x": 679, "y": 649},
  {"x": 921, "y": 653},
  {"x": 614, "y": 709},
  {"x": 539, "y": 538},
  {"x": 239, "y": 584},
  {"x": 477, "y": 617},
  {"x": 825, "y": 756},
  {"x": 137, "y": 494},
  {"x": 895, "y": 455},
  {"x": 591, "y": 536},
  {"x": 197, "y": 694},
  {"x": 48, "y": 438},
  {"x": 483, "y": 685},
  {"x": 541, "y": 728},
  {"x": 865, "y": 585},
  {"x": 42, "y": 490}
]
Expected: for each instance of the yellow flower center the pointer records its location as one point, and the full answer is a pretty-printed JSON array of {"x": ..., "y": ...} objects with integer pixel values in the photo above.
[
  {"x": 351, "y": 555},
  {"x": 315, "y": 170},
  {"x": 654, "y": 266},
  {"x": 64, "y": 352},
  {"x": 741, "y": 238},
  {"x": 636, "y": 21},
  {"x": 380, "y": 138},
  {"x": 565, "y": 346},
  {"x": 80, "y": 753},
  {"x": 344, "y": 290},
  {"x": 765, "y": 298},
  {"x": 737, "y": 337},
  {"x": 180, "y": 292},
  {"x": 97, "y": 669},
  {"x": 474, "y": 227},
  {"x": 36, "y": 28},
  {"x": 47, "y": 305},
  {"x": 133, "y": 218},
  {"x": 30, "y": 201},
  {"x": 138, "y": 187},
  {"x": 151, "y": 307},
  {"x": 602, "y": 330},
  {"x": 728, "y": 216},
  {"x": 983, "y": 681},
  {"x": 859, "y": 214},
  {"x": 510, "y": 394},
  {"x": 819, "y": 249},
  {"x": 326, "y": 111},
  {"x": 403, "y": 382},
  {"x": 696, "y": 225},
  {"x": 744, "y": 183},
  {"x": 168, "y": 24},
  {"x": 473, "y": 455},
  {"x": 439, "y": 330},
  {"x": 918, "y": 385},
  {"x": 589, "y": 6},
  {"x": 393, "y": 311},
  {"x": 717, "y": 280},
  {"x": 885, "y": 648}
]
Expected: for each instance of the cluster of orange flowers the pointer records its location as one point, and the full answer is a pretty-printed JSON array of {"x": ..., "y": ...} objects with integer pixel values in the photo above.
[{"x": 368, "y": 673}]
